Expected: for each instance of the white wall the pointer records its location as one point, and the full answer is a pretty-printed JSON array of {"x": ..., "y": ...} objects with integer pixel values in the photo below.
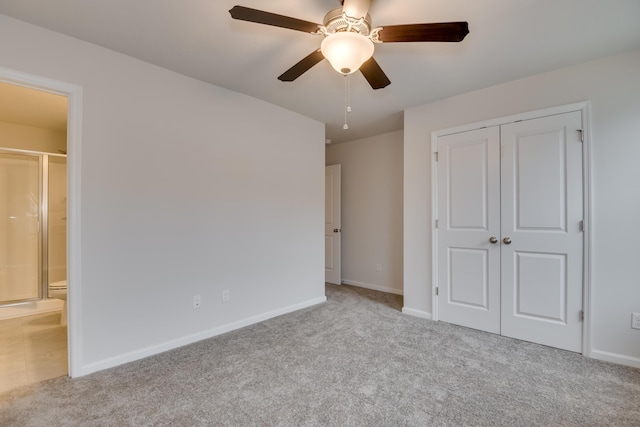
[
  {"x": 186, "y": 190},
  {"x": 613, "y": 86},
  {"x": 371, "y": 210}
]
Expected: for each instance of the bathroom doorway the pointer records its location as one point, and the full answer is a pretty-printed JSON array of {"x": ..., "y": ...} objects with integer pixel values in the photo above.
[{"x": 33, "y": 236}]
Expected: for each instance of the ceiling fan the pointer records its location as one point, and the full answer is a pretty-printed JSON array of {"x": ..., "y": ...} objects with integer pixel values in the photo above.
[{"x": 349, "y": 39}]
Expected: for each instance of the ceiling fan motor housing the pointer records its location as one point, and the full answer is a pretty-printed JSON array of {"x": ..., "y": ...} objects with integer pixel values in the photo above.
[{"x": 335, "y": 21}]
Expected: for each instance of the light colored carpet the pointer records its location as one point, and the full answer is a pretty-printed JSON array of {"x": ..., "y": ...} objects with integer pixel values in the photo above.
[{"x": 353, "y": 361}]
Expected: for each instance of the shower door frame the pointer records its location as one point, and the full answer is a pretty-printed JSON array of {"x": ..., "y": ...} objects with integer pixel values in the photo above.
[
  {"x": 74, "y": 130},
  {"x": 43, "y": 222}
]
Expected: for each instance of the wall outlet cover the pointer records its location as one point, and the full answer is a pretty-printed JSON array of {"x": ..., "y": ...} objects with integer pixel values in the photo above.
[{"x": 635, "y": 320}]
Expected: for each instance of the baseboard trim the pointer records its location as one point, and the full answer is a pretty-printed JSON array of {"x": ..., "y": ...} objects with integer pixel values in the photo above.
[
  {"x": 620, "y": 359},
  {"x": 190, "y": 339},
  {"x": 386, "y": 289},
  {"x": 417, "y": 313}
]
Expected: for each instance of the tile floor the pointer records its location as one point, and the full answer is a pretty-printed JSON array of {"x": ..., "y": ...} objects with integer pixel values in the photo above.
[{"x": 32, "y": 349}]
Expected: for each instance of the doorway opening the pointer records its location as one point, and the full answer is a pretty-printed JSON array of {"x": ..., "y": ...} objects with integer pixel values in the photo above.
[{"x": 33, "y": 237}]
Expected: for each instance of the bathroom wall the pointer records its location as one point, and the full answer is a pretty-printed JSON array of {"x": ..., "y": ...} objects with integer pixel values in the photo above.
[
  {"x": 32, "y": 138},
  {"x": 186, "y": 189}
]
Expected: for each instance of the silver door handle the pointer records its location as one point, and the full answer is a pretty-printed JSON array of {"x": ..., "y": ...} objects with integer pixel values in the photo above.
[
  {"x": 493, "y": 239},
  {"x": 506, "y": 240}
]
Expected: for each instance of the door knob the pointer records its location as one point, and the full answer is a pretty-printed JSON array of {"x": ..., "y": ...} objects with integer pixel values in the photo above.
[
  {"x": 336, "y": 230},
  {"x": 506, "y": 240},
  {"x": 493, "y": 239}
]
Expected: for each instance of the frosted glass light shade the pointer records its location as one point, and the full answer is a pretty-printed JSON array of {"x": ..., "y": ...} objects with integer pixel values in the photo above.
[{"x": 346, "y": 51}]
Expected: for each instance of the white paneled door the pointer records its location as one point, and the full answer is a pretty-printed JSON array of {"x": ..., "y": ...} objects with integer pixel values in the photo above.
[
  {"x": 542, "y": 211},
  {"x": 332, "y": 225},
  {"x": 510, "y": 240},
  {"x": 469, "y": 214}
]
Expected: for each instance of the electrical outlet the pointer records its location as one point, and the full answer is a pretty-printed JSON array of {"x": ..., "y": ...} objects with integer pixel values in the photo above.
[
  {"x": 197, "y": 302},
  {"x": 225, "y": 295},
  {"x": 635, "y": 320}
]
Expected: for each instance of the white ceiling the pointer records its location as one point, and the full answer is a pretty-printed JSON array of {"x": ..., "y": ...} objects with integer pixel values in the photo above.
[{"x": 508, "y": 39}]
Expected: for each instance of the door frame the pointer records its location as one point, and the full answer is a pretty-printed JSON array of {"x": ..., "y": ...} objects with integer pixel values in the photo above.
[
  {"x": 336, "y": 200},
  {"x": 585, "y": 108},
  {"x": 74, "y": 253}
]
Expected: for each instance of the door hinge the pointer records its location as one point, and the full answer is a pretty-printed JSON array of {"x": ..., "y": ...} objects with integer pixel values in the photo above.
[
  {"x": 437, "y": 291},
  {"x": 581, "y": 225},
  {"x": 436, "y": 155},
  {"x": 581, "y": 315},
  {"x": 581, "y": 134},
  {"x": 437, "y": 223}
]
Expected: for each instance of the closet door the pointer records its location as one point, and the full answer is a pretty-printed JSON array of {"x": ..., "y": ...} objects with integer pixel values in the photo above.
[
  {"x": 468, "y": 221},
  {"x": 509, "y": 233},
  {"x": 542, "y": 239}
]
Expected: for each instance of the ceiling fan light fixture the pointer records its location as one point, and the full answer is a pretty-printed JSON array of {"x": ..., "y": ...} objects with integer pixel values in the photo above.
[{"x": 346, "y": 51}]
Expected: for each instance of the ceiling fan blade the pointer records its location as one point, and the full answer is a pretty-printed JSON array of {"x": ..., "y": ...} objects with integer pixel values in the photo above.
[
  {"x": 356, "y": 8},
  {"x": 261, "y": 17},
  {"x": 374, "y": 74},
  {"x": 437, "y": 32},
  {"x": 302, "y": 67}
]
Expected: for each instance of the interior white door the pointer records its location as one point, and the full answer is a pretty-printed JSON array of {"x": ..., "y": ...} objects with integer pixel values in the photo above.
[
  {"x": 542, "y": 212},
  {"x": 332, "y": 225},
  {"x": 468, "y": 222}
]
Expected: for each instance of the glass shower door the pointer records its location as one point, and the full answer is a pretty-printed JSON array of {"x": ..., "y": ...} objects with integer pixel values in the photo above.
[{"x": 19, "y": 228}]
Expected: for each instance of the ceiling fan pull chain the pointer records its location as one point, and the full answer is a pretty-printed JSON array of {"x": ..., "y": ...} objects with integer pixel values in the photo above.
[
  {"x": 347, "y": 107},
  {"x": 348, "y": 93}
]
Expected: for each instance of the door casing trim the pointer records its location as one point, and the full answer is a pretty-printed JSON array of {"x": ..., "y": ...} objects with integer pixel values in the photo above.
[{"x": 74, "y": 253}]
